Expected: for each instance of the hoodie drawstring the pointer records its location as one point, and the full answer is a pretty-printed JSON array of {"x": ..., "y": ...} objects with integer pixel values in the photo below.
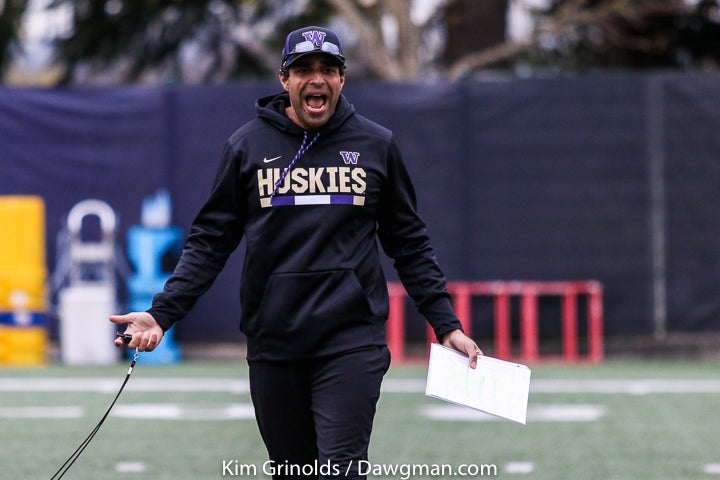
[{"x": 304, "y": 147}]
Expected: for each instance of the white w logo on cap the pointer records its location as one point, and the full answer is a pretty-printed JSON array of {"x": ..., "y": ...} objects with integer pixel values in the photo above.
[{"x": 315, "y": 37}]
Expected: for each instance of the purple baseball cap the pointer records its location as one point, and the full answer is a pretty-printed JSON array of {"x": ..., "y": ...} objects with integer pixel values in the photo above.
[{"x": 308, "y": 40}]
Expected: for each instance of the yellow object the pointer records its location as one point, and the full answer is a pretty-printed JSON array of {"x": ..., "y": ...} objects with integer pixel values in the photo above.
[
  {"x": 23, "y": 346},
  {"x": 22, "y": 281},
  {"x": 22, "y": 253}
]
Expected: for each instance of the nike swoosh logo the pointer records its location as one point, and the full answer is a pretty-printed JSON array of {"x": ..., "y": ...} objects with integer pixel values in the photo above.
[{"x": 268, "y": 160}]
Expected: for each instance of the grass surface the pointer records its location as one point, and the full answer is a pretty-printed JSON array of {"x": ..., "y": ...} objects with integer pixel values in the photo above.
[{"x": 641, "y": 436}]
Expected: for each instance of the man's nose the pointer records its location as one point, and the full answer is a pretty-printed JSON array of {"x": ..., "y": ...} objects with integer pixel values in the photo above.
[{"x": 317, "y": 77}]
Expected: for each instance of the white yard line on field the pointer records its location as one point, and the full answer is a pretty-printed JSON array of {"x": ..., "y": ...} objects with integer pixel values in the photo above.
[
  {"x": 390, "y": 385},
  {"x": 41, "y": 412},
  {"x": 631, "y": 387},
  {"x": 519, "y": 467},
  {"x": 130, "y": 467},
  {"x": 535, "y": 413},
  {"x": 172, "y": 411},
  {"x": 111, "y": 385}
]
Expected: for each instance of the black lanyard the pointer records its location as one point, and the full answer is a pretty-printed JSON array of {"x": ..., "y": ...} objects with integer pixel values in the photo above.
[{"x": 69, "y": 462}]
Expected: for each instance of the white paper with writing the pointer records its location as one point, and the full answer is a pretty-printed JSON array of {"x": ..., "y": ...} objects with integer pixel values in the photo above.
[{"x": 496, "y": 387}]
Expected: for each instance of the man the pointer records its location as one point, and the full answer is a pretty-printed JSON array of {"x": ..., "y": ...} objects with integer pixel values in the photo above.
[{"x": 311, "y": 185}]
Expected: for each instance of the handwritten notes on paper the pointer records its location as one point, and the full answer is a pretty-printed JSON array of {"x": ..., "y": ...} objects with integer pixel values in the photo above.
[{"x": 496, "y": 387}]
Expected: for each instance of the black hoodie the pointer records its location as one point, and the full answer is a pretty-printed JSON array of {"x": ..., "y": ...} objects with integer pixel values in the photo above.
[{"x": 312, "y": 281}]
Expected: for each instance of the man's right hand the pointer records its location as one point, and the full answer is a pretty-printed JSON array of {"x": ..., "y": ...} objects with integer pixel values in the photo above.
[{"x": 146, "y": 332}]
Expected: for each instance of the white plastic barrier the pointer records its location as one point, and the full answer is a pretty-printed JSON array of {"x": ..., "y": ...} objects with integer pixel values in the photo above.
[{"x": 86, "y": 335}]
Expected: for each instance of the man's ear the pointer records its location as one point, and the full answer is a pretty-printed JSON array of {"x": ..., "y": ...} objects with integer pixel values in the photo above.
[{"x": 283, "y": 77}]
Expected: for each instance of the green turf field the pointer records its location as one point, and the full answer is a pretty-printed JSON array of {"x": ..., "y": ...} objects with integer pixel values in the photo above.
[{"x": 192, "y": 421}]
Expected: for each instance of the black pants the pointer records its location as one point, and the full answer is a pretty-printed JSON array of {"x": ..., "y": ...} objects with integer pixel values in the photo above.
[{"x": 315, "y": 416}]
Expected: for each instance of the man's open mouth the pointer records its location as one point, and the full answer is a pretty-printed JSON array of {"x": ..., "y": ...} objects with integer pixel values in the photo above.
[{"x": 316, "y": 103}]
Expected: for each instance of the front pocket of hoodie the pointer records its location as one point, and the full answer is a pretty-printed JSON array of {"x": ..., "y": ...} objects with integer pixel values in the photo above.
[{"x": 319, "y": 301}]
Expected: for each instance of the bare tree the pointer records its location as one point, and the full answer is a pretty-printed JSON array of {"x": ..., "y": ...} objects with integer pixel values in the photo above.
[
  {"x": 473, "y": 26},
  {"x": 468, "y": 25},
  {"x": 210, "y": 41},
  {"x": 366, "y": 22},
  {"x": 651, "y": 28},
  {"x": 11, "y": 14}
]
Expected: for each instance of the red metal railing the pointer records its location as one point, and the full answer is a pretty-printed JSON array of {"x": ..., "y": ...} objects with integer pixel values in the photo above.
[{"x": 502, "y": 292}]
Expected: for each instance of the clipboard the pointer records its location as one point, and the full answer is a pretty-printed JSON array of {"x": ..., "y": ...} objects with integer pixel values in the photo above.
[{"x": 496, "y": 386}]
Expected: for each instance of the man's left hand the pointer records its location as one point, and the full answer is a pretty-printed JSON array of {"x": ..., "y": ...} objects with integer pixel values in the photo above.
[{"x": 462, "y": 343}]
